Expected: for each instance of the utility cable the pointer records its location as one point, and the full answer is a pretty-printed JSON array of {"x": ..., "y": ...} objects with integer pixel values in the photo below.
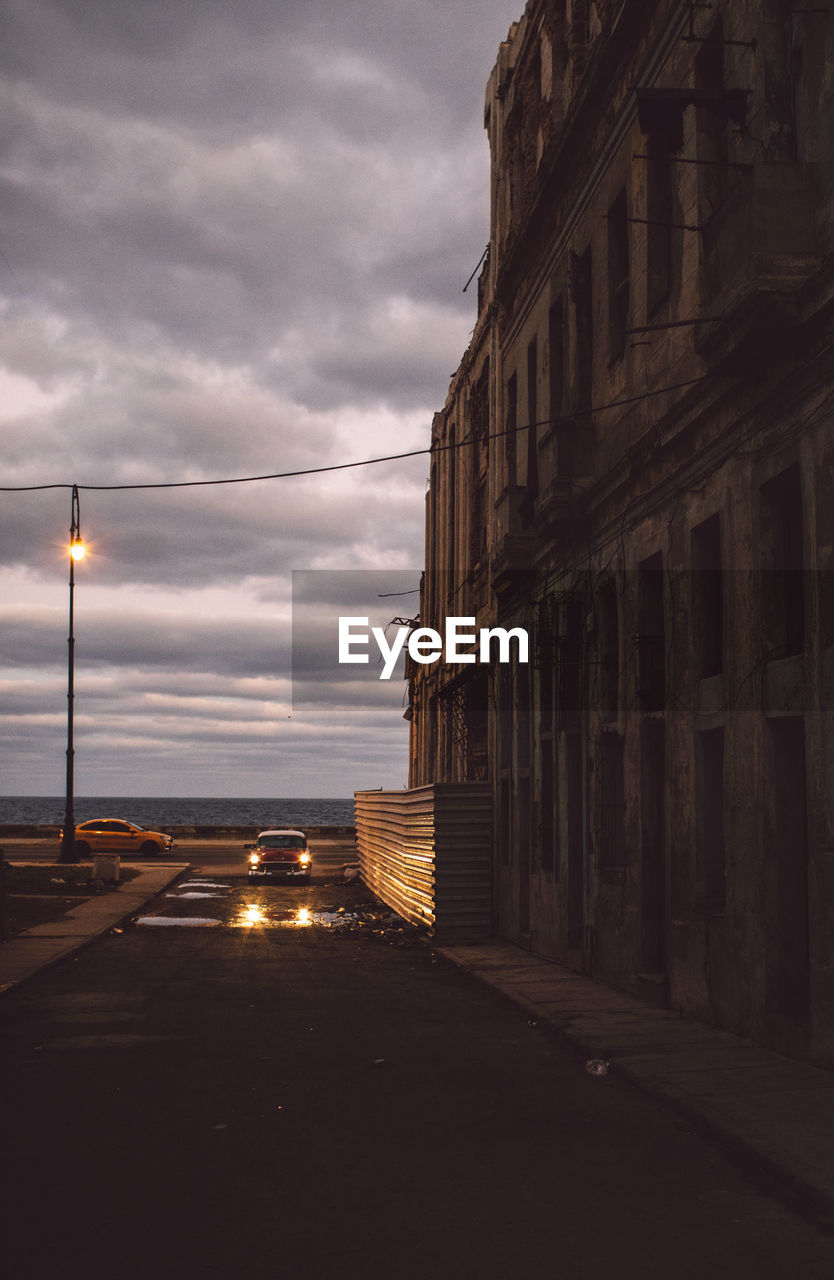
[{"x": 345, "y": 466}]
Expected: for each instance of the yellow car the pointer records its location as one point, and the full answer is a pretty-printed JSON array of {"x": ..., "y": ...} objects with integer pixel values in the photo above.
[{"x": 114, "y": 835}]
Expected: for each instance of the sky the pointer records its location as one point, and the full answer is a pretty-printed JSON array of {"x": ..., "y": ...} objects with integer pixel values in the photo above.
[{"x": 234, "y": 242}]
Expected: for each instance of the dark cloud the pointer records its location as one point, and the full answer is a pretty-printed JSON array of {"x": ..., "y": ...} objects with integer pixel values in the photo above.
[
  {"x": 235, "y": 238},
  {"x": 234, "y": 183}
]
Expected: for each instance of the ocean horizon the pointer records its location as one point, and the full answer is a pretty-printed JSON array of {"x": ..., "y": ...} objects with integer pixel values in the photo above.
[{"x": 159, "y": 812}]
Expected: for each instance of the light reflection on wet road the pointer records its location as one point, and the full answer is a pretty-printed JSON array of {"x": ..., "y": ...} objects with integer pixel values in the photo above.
[
  {"x": 268, "y": 916},
  {"x": 207, "y": 897}
]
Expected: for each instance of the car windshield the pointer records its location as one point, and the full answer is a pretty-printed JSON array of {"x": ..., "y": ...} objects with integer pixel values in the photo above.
[{"x": 281, "y": 842}]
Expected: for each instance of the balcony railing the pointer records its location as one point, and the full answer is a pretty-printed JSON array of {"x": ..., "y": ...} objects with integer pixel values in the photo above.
[{"x": 515, "y": 539}]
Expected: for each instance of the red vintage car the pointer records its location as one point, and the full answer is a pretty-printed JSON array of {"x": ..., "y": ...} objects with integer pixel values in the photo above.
[{"x": 280, "y": 852}]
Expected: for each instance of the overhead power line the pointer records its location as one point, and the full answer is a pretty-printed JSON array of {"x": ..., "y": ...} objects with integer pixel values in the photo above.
[{"x": 345, "y": 466}]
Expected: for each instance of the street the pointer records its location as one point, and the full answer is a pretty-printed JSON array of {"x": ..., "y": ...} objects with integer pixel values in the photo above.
[{"x": 270, "y": 1093}]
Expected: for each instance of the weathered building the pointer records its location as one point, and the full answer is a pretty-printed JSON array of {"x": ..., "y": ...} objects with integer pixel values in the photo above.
[{"x": 635, "y": 462}]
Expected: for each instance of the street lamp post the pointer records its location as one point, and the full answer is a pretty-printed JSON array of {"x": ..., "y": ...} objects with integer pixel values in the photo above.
[{"x": 76, "y": 551}]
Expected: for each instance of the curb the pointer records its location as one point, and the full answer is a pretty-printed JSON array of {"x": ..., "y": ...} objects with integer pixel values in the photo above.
[
  {"x": 775, "y": 1174},
  {"x": 38, "y": 948}
]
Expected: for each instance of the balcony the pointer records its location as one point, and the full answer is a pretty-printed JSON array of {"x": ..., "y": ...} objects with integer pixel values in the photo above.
[
  {"x": 515, "y": 539},
  {"x": 558, "y": 510},
  {"x": 759, "y": 250}
]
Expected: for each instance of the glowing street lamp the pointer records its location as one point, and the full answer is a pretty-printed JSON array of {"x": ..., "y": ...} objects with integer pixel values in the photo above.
[{"x": 76, "y": 552}]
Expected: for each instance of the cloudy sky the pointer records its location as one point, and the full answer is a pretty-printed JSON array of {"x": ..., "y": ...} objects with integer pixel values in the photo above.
[{"x": 234, "y": 238}]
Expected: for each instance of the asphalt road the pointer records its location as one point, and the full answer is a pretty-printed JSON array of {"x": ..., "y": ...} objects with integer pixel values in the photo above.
[{"x": 266, "y": 1097}]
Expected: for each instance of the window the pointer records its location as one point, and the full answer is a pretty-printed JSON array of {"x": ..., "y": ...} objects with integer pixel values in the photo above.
[
  {"x": 608, "y": 670},
  {"x": 548, "y": 742},
  {"x": 434, "y": 741},
  {"x": 795, "y": 103},
  {"x": 556, "y": 363},
  {"x": 511, "y": 429},
  {"x": 711, "y": 863},
  {"x": 476, "y": 715},
  {"x": 583, "y": 315},
  {"x": 711, "y": 124},
  {"x": 505, "y": 821},
  {"x": 556, "y": 380},
  {"x": 653, "y": 845},
  {"x": 548, "y": 804},
  {"x": 479, "y": 427},
  {"x": 505, "y": 715},
  {"x": 532, "y": 422},
  {"x": 575, "y": 839},
  {"x": 788, "y": 857},
  {"x": 546, "y": 661},
  {"x": 523, "y": 717},
  {"x": 610, "y": 809},
  {"x": 579, "y": 33},
  {"x": 707, "y": 598},
  {"x": 477, "y": 527},
  {"x": 659, "y": 206},
  {"x": 618, "y": 275},
  {"x": 651, "y": 641},
  {"x": 783, "y": 588},
  {"x": 570, "y": 664}
]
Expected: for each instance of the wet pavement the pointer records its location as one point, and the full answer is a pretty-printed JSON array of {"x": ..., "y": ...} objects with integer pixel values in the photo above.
[{"x": 301, "y": 1086}]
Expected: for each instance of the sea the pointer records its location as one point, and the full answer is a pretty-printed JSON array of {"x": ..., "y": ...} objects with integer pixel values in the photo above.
[{"x": 159, "y": 812}]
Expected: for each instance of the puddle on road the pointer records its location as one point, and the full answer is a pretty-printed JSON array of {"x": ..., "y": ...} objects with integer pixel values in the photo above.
[
  {"x": 196, "y": 893},
  {"x": 195, "y": 921},
  {"x": 384, "y": 925},
  {"x": 253, "y": 914},
  {"x": 205, "y": 884}
]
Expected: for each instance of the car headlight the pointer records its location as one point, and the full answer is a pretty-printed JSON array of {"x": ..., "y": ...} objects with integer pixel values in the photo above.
[
  {"x": 304, "y": 859},
  {"x": 254, "y": 859}
]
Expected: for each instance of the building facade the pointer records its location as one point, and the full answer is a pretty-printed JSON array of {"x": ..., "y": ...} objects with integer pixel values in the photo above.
[{"x": 635, "y": 463}]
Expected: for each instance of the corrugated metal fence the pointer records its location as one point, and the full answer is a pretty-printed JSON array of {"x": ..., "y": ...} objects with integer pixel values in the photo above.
[{"x": 427, "y": 853}]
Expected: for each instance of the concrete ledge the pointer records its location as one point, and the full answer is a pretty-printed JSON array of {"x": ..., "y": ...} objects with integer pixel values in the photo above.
[
  {"x": 34, "y": 949},
  {"x": 773, "y": 1114}
]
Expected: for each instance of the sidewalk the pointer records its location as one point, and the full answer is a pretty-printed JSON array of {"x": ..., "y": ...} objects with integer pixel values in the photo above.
[
  {"x": 35, "y": 948},
  {"x": 773, "y": 1113}
]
